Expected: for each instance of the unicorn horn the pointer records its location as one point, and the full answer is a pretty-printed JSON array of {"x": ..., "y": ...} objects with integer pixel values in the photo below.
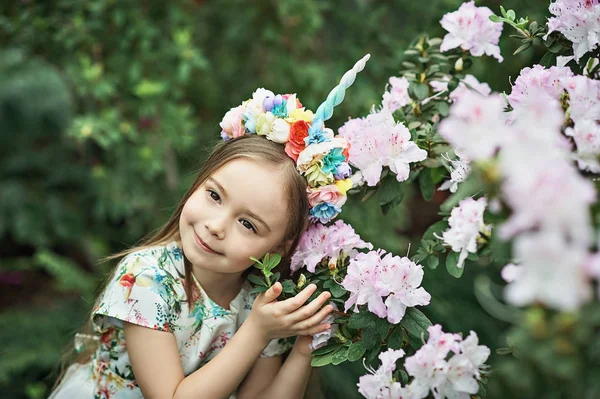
[{"x": 336, "y": 96}]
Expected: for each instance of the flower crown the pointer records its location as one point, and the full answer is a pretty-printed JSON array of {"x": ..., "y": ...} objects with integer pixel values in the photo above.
[{"x": 320, "y": 156}]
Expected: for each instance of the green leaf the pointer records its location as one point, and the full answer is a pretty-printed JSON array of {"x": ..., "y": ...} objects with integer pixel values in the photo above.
[
  {"x": 274, "y": 260},
  {"x": 426, "y": 184},
  {"x": 382, "y": 326},
  {"x": 511, "y": 15},
  {"x": 495, "y": 18},
  {"x": 362, "y": 320},
  {"x": 337, "y": 290},
  {"x": 370, "y": 337},
  {"x": 548, "y": 59},
  {"x": 323, "y": 360},
  {"x": 443, "y": 108},
  {"x": 356, "y": 351},
  {"x": 415, "y": 322},
  {"x": 451, "y": 265},
  {"x": 437, "y": 228},
  {"x": 390, "y": 190},
  {"x": 275, "y": 277},
  {"x": 396, "y": 338},
  {"x": 340, "y": 356},
  {"x": 289, "y": 287},
  {"x": 433, "y": 262},
  {"x": 257, "y": 280},
  {"x": 420, "y": 90},
  {"x": 326, "y": 349},
  {"x": 466, "y": 189},
  {"x": 258, "y": 289},
  {"x": 522, "y": 47},
  {"x": 149, "y": 88}
]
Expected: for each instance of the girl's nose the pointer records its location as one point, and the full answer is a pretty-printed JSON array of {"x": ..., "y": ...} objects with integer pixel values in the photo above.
[{"x": 216, "y": 227}]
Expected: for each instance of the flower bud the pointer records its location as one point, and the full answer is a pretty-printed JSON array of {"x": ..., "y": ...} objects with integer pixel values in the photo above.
[
  {"x": 301, "y": 281},
  {"x": 458, "y": 65}
]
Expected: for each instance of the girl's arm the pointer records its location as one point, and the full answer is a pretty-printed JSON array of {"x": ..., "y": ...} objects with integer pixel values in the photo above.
[
  {"x": 266, "y": 380},
  {"x": 157, "y": 365}
]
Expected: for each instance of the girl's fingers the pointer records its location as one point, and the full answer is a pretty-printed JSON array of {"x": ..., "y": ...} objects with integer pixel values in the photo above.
[
  {"x": 319, "y": 328},
  {"x": 308, "y": 310},
  {"x": 289, "y": 305},
  {"x": 315, "y": 319},
  {"x": 272, "y": 293}
]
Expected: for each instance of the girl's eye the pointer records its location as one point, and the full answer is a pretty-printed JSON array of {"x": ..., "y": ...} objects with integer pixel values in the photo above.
[
  {"x": 214, "y": 195},
  {"x": 248, "y": 225}
]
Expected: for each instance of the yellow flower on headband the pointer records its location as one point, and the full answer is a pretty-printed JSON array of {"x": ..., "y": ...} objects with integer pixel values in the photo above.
[
  {"x": 316, "y": 177},
  {"x": 344, "y": 185},
  {"x": 300, "y": 114}
]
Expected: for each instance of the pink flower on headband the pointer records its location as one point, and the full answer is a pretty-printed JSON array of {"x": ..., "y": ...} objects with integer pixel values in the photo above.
[
  {"x": 330, "y": 194},
  {"x": 232, "y": 123}
]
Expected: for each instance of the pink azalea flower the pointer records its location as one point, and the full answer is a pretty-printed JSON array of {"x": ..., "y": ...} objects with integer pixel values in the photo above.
[
  {"x": 371, "y": 278},
  {"x": 455, "y": 377},
  {"x": 380, "y": 384},
  {"x": 471, "y": 29},
  {"x": 578, "y": 21},
  {"x": 550, "y": 82},
  {"x": 402, "y": 278},
  {"x": 550, "y": 265},
  {"x": 378, "y": 141},
  {"x": 466, "y": 225},
  {"x": 476, "y": 125},
  {"x": 586, "y": 134},
  {"x": 326, "y": 242},
  {"x": 584, "y": 98},
  {"x": 398, "y": 95}
]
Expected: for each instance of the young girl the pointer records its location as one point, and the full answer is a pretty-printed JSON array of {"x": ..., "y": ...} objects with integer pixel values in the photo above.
[
  {"x": 177, "y": 319},
  {"x": 177, "y": 313}
]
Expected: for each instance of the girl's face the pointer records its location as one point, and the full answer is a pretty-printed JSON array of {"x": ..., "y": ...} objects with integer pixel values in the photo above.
[{"x": 239, "y": 212}]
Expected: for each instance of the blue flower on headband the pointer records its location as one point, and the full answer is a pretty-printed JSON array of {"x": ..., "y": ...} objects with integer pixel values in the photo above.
[
  {"x": 324, "y": 212},
  {"x": 280, "y": 107},
  {"x": 316, "y": 138},
  {"x": 249, "y": 122},
  {"x": 332, "y": 160}
]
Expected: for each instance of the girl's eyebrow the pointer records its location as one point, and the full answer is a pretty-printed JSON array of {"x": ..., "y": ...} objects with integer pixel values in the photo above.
[{"x": 248, "y": 212}]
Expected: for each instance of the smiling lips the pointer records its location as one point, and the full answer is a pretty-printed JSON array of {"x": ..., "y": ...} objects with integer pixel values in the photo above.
[{"x": 204, "y": 245}]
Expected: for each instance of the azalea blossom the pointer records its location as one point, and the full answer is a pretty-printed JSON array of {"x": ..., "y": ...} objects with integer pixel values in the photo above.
[
  {"x": 584, "y": 98},
  {"x": 321, "y": 339},
  {"x": 466, "y": 225},
  {"x": 476, "y": 125},
  {"x": 370, "y": 278},
  {"x": 380, "y": 384},
  {"x": 454, "y": 377},
  {"x": 459, "y": 170},
  {"x": 378, "y": 141},
  {"x": 511, "y": 272},
  {"x": 398, "y": 95},
  {"x": 552, "y": 272},
  {"x": 547, "y": 81},
  {"x": 326, "y": 242},
  {"x": 471, "y": 29},
  {"x": 586, "y": 134},
  {"x": 402, "y": 278},
  {"x": 537, "y": 198},
  {"x": 578, "y": 21}
]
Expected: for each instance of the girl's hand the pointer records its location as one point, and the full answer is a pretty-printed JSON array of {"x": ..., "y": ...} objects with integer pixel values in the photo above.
[{"x": 281, "y": 319}]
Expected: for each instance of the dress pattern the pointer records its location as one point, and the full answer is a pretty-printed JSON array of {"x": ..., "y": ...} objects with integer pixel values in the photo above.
[{"x": 148, "y": 289}]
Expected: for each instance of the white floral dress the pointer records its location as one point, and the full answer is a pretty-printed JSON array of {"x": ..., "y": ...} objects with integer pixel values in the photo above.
[{"x": 148, "y": 289}]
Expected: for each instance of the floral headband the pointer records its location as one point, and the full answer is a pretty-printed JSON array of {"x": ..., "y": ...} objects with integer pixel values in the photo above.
[{"x": 320, "y": 156}]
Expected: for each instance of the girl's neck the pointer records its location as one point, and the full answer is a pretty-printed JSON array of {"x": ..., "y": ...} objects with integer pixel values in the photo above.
[{"x": 220, "y": 288}]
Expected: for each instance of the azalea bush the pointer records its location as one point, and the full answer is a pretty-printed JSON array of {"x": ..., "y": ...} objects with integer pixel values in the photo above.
[{"x": 521, "y": 169}]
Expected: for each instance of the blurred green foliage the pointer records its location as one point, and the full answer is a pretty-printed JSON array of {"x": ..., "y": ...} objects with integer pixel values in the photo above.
[{"x": 107, "y": 106}]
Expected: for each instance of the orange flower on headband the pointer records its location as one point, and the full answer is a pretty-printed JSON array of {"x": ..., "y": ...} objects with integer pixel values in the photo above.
[{"x": 296, "y": 144}]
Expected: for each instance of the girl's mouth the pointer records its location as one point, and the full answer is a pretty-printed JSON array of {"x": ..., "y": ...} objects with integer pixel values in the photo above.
[{"x": 204, "y": 245}]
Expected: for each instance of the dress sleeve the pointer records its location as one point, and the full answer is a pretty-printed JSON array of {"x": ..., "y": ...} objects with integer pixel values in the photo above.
[{"x": 140, "y": 292}]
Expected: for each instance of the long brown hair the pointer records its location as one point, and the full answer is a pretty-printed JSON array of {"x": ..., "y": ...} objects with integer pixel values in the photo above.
[{"x": 247, "y": 146}]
